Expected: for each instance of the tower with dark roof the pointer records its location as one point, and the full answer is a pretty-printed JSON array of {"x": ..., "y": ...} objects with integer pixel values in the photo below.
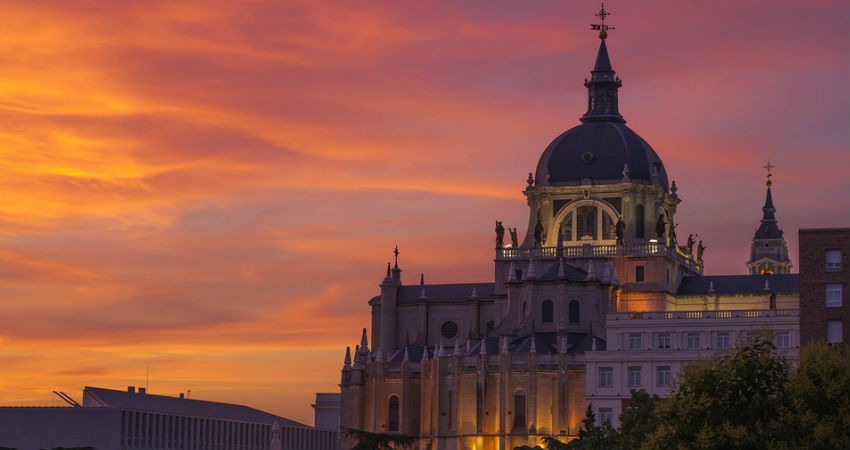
[{"x": 769, "y": 252}]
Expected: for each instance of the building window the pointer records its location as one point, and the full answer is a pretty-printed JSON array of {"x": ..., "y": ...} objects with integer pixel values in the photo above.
[
  {"x": 833, "y": 295},
  {"x": 449, "y": 329},
  {"x": 782, "y": 339},
  {"x": 639, "y": 233},
  {"x": 723, "y": 339},
  {"x": 605, "y": 415},
  {"x": 519, "y": 409},
  {"x": 393, "y": 416},
  {"x": 640, "y": 274},
  {"x": 833, "y": 260},
  {"x": 479, "y": 408},
  {"x": 663, "y": 340},
  {"x": 634, "y": 376},
  {"x": 575, "y": 309},
  {"x": 586, "y": 222},
  {"x": 634, "y": 341},
  {"x": 547, "y": 311},
  {"x": 662, "y": 376},
  {"x": 834, "y": 332},
  {"x": 606, "y": 377},
  {"x": 692, "y": 340}
]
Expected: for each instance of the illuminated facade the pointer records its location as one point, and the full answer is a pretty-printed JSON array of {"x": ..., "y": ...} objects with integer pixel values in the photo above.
[{"x": 501, "y": 364}]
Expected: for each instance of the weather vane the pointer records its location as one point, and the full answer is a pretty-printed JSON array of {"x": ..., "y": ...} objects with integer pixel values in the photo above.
[{"x": 603, "y": 29}]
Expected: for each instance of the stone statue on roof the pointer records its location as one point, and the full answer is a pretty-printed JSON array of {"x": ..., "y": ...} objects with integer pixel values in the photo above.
[{"x": 500, "y": 235}]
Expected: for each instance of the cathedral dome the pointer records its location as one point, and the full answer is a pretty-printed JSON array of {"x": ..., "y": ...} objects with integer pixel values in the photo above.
[{"x": 600, "y": 151}]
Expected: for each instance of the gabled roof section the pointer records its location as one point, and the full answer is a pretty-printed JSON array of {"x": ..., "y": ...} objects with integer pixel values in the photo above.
[
  {"x": 180, "y": 406},
  {"x": 739, "y": 284},
  {"x": 445, "y": 292}
]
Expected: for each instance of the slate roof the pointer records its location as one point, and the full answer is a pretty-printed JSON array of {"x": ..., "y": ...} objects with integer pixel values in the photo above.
[
  {"x": 445, "y": 292},
  {"x": 739, "y": 284},
  {"x": 182, "y": 406}
]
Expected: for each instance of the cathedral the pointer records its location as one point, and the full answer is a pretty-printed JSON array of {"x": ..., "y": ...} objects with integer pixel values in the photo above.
[{"x": 501, "y": 364}]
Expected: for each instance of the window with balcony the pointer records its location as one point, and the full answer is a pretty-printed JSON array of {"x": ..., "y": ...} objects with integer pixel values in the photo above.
[
  {"x": 634, "y": 376},
  {"x": 519, "y": 409},
  {"x": 663, "y": 340},
  {"x": 692, "y": 340},
  {"x": 574, "y": 310},
  {"x": 606, "y": 377},
  {"x": 634, "y": 341},
  {"x": 833, "y": 260},
  {"x": 833, "y": 295},
  {"x": 662, "y": 376}
]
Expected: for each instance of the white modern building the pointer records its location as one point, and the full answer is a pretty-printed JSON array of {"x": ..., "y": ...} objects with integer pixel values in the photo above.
[{"x": 134, "y": 419}]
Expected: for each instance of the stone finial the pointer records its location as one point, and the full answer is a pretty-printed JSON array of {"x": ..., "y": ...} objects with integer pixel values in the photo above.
[
  {"x": 530, "y": 273},
  {"x": 563, "y": 344},
  {"x": 456, "y": 351},
  {"x": 422, "y": 279},
  {"x": 673, "y": 189},
  {"x": 347, "y": 357},
  {"x": 530, "y": 181},
  {"x": 533, "y": 348},
  {"x": 561, "y": 273},
  {"x": 504, "y": 348},
  {"x": 626, "y": 178},
  {"x": 593, "y": 344},
  {"x": 766, "y": 285},
  {"x": 406, "y": 354},
  {"x": 710, "y": 286},
  {"x": 512, "y": 272},
  {"x": 590, "y": 273},
  {"x": 474, "y": 293},
  {"x": 422, "y": 292},
  {"x": 378, "y": 355},
  {"x": 364, "y": 341},
  {"x": 483, "y": 347}
]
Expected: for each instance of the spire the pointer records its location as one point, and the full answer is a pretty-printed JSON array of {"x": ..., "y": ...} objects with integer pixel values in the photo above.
[
  {"x": 768, "y": 229},
  {"x": 364, "y": 341},
  {"x": 347, "y": 361},
  {"x": 602, "y": 103}
]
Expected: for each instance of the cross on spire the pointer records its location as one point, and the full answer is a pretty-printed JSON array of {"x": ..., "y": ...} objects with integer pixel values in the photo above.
[
  {"x": 768, "y": 166},
  {"x": 603, "y": 29},
  {"x": 395, "y": 252}
]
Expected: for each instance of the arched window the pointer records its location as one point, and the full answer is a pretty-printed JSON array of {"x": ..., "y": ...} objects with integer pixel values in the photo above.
[
  {"x": 519, "y": 409},
  {"x": 639, "y": 233},
  {"x": 586, "y": 222},
  {"x": 547, "y": 312},
  {"x": 574, "y": 312},
  {"x": 393, "y": 416}
]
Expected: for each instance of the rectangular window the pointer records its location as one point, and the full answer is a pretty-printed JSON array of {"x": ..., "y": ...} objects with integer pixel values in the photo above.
[
  {"x": 782, "y": 339},
  {"x": 834, "y": 332},
  {"x": 634, "y": 376},
  {"x": 634, "y": 342},
  {"x": 663, "y": 340},
  {"x": 833, "y": 260},
  {"x": 692, "y": 340},
  {"x": 606, "y": 377},
  {"x": 605, "y": 415},
  {"x": 833, "y": 295},
  {"x": 722, "y": 339},
  {"x": 662, "y": 376},
  {"x": 640, "y": 274}
]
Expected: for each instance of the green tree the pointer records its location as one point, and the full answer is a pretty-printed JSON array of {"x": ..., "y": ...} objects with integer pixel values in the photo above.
[
  {"x": 590, "y": 436},
  {"x": 733, "y": 403},
  {"x": 366, "y": 440},
  {"x": 637, "y": 422},
  {"x": 819, "y": 417}
]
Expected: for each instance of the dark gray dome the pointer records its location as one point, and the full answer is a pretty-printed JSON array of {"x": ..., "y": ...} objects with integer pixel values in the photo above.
[{"x": 598, "y": 151}]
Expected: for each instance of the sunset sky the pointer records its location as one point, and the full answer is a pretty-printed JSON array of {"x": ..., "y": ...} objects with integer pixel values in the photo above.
[{"x": 211, "y": 190}]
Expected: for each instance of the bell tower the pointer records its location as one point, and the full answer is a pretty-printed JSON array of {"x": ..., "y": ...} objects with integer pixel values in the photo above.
[{"x": 769, "y": 252}]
